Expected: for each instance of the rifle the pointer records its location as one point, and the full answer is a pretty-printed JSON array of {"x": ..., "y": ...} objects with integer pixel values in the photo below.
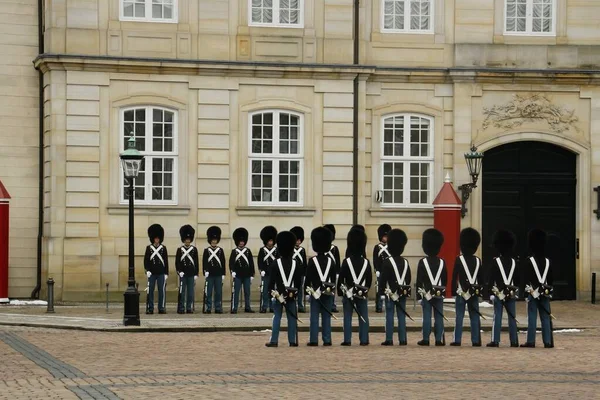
[
  {"x": 204, "y": 295},
  {"x": 261, "y": 288},
  {"x": 232, "y": 292},
  {"x": 147, "y": 295},
  {"x": 344, "y": 290},
  {"x": 310, "y": 291}
]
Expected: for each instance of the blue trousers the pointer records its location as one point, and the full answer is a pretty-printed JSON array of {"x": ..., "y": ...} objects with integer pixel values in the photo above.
[
  {"x": 292, "y": 322},
  {"x": 532, "y": 311},
  {"x": 511, "y": 305},
  {"x": 301, "y": 295},
  {"x": 439, "y": 319},
  {"x": 161, "y": 282},
  {"x": 471, "y": 305},
  {"x": 363, "y": 327},
  {"x": 239, "y": 282},
  {"x": 316, "y": 309},
  {"x": 215, "y": 283},
  {"x": 266, "y": 296},
  {"x": 390, "y": 306},
  {"x": 187, "y": 294}
]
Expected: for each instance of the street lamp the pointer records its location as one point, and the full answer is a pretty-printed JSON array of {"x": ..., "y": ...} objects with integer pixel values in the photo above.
[
  {"x": 131, "y": 160},
  {"x": 473, "y": 159}
]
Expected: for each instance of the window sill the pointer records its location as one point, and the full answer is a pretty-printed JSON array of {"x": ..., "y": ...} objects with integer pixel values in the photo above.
[
  {"x": 401, "y": 212},
  {"x": 122, "y": 209},
  {"x": 276, "y": 211}
]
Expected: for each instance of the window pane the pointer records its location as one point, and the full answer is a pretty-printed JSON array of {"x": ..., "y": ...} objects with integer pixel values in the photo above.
[
  {"x": 393, "y": 14},
  {"x": 393, "y": 137},
  {"x": 157, "y": 115}
]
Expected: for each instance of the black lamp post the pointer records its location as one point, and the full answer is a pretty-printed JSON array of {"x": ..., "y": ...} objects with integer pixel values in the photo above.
[
  {"x": 473, "y": 159},
  {"x": 131, "y": 159}
]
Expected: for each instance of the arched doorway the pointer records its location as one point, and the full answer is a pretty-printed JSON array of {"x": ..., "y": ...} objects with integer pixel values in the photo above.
[{"x": 532, "y": 184}]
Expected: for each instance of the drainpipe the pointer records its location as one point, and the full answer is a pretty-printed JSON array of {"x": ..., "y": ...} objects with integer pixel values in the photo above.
[
  {"x": 355, "y": 116},
  {"x": 35, "y": 294}
]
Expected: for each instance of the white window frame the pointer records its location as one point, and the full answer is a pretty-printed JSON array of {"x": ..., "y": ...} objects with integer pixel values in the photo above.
[
  {"x": 276, "y": 157},
  {"x": 529, "y": 21},
  {"x": 276, "y": 6},
  {"x": 407, "y": 16},
  {"x": 406, "y": 160},
  {"x": 148, "y": 13},
  {"x": 149, "y": 155}
]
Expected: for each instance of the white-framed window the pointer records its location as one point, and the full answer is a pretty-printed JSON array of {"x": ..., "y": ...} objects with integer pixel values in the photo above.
[
  {"x": 148, "y": 10},
  {"x": 277, "y": 13},
  {"x": 407, "y": 16},
  {"x": 407, "y": 160},
  {"x": 276, "y": 164},
  {"x": 155, "y": 132},
  {"x": 530, "y": 17}
]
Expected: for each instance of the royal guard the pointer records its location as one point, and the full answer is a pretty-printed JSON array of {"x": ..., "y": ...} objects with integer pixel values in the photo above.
[
  {"x": 186, "y": 263},
  {"x": 156, "y": 264},
  {"x": 241, "y": 265},
  {"x": 467, "y": 285},
  {"x": 334, "y": 254},
  {"x": 394, "y": 287},
  {"x": 504, "y": 287},
  {"x": 353, "y": 285},
  {"x": 538, "y": 286},
  {"x": 213, "y": 266},
  {"x": 267, "y": 256},
  {"x": 300, "y": 257},
  {"x": 320, "y": 286},
  {"x": 360, "y": 228},
  {"x": 431, "y": 286},
  {"x": 380, "y": 254},
  {"x": 285, "y": 280}
]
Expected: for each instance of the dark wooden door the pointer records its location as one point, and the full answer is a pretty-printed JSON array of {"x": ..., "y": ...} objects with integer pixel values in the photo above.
[{"x": 528, "y": 185}]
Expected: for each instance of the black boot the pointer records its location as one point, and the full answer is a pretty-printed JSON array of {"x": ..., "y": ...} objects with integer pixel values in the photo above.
[
  {"x": 455, "y": 344},
  {"x": 493, "y": 344},
  {"x": 270, "y": 344},
  {"x": 423, "y": 342},
  {"x": 387, "y": 343},
  {"x": 527, "y": 344}
]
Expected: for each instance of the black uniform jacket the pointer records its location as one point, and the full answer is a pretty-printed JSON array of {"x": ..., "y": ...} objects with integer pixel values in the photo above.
[
  {"x": 495, "y": 276},
  {"x": 313, "y": 278},
  {"x": 277, "y": 280},
  {"x": 423, "y": 280},
  {"x": 241, "y": 267},
  {"x": 460, "y": 276},
  {"x": 185, "y": 265},
  {"x": 213, "y": 267},
  {"x": 346, "y": 276},
  {"x": 388, "y": 276},
  {"x": 153, "y": 262},
  {"x": 266, "y": 265}
]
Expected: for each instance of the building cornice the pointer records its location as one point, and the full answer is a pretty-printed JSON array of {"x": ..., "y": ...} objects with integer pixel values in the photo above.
[{"x": 278, "y": 70}]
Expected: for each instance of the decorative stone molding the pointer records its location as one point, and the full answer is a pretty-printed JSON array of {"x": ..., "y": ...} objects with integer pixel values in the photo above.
[{"x": 530, "y": 108}]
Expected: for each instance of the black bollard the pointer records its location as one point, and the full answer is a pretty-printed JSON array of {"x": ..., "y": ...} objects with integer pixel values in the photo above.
[
  {"x": 593, "y": 288},
  {"x": 50, "y": 308},
  {"x": 106, "y": 296}
]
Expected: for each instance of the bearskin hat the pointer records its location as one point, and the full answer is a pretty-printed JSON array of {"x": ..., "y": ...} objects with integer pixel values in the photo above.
[
  {"x": 267, "y": 233},
  {"x": 331, "y": 228},
  {"x": 396, "y": 242},
  {"x": 214, "y": 232},
  {"x": 432, "y": 242},
  {"x": 356, "y": 240},
  {"x": 286, "y": 242},
  {"x": 537, "y": 242},
  {"x": 156, "y": 231},
  {"x": 320, "y": 239},
  {"x": 383, "y": 230},
  {"x": 359, "y": 227},
  {"x": 504, "y": 241},
  {"x": 240, "y": 235},
  {"x": 469, "y": 241},
  {"x": 298, "y": 231},
  {"x": 187, "y": 232}
]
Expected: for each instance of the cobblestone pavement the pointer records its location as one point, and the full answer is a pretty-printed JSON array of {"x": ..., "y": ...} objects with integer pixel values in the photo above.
[
  {"x": 93, "y": 316},
  {"x": 66, "y": 364}
]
